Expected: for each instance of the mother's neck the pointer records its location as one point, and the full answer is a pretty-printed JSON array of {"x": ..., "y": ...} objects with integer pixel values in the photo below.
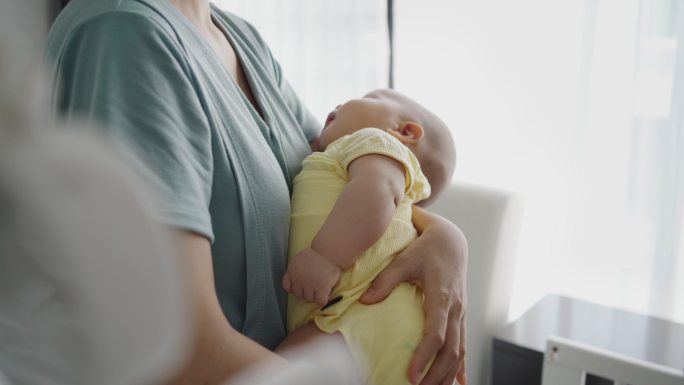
[{"x": 197, "y": 11}]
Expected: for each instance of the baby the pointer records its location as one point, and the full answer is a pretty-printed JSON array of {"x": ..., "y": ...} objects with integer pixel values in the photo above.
[{"x": 351, "y": 214}]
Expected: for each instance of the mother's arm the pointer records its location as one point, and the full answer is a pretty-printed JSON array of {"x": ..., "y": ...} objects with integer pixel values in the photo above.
[
  {"x": 124, "y": 70},
  {"x": 218, "y": 350},
  {"x": 435, "y": 262}
]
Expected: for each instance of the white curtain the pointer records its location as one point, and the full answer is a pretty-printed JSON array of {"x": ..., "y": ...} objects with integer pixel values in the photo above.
[
  {"x": 578, "y": 106},
  {"x": 330, "y": 50},
  {"x": 657, "y": 183},
  {"x": 631, "y": 152}
]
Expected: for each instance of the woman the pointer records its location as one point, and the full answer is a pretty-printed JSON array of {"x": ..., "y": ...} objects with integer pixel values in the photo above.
[{"x": 220, "y": 134}]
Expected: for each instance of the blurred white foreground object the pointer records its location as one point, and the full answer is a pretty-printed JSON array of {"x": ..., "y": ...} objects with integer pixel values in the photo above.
[
  {"x": 490, "y": 220},
  {"x": 91, "y": 292},
  {"x": 567, "y": 363},
  {"x": 3, "y": 381},
  {"x": 323, "y": 361}
]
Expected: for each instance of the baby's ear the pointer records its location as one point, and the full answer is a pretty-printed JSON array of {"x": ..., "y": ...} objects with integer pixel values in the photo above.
[{"x": 408, "y": 132}]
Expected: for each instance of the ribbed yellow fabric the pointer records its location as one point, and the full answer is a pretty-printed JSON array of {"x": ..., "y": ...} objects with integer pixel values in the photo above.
[{"x": 383, "y": 336}]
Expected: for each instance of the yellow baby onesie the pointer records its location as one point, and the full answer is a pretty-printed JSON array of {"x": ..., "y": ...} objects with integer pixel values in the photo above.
[{"x": 382, "y": 336}]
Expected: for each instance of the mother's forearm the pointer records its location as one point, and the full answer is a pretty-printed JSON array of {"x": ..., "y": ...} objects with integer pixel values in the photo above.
[
  {"x": 442, "y": 234},
  {"x": 218, "y": 351}
]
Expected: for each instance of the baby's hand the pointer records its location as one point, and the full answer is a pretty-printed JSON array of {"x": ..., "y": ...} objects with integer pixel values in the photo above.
[{"x": 311, "y": 277}]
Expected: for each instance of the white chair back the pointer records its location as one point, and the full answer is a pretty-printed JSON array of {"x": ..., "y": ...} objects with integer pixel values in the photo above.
[
  {"x": 567, "y": 363},
  {"x": 490, "y": 220}
]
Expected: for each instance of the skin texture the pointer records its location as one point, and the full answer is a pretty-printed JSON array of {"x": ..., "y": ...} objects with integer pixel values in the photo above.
[{"x": 435, "y": 262}]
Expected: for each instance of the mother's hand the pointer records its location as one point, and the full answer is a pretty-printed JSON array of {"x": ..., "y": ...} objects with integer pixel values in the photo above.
[{"x": 435, "y": 262}]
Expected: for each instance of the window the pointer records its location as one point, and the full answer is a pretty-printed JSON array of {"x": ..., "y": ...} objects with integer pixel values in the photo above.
[{"x": 330, "y": 51}]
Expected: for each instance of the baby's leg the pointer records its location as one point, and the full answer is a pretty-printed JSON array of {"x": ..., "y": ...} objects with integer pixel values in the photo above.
[
  {"x": 303, "y": 335},
  {"x": 308, "y": 333}
]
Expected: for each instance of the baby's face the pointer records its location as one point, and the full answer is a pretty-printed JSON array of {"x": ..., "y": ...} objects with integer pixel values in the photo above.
[
  {"x": 375, "y": 109},
  {"x": 412, "y": 124}
]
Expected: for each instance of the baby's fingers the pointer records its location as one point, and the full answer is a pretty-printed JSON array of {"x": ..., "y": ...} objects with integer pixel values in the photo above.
[
  {"x": 322, "y": 297},
  {"x": 309, "y": 295},
  {"x": 287, "y": 283},
  {"x": 297, "y": 290}
]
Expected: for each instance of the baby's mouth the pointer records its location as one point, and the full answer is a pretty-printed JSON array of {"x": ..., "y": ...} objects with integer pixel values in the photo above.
[{"x": 331, "y": 117}]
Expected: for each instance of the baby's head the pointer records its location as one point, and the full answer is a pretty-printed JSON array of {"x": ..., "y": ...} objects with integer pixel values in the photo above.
[{"x": 412, "y": 124}]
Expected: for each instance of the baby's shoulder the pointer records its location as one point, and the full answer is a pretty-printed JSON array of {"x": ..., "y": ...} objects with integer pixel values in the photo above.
[{"x": 366, "y": 140}]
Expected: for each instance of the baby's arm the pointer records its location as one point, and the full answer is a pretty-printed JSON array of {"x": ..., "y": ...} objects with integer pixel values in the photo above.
[{"x": 360, "y": 216}]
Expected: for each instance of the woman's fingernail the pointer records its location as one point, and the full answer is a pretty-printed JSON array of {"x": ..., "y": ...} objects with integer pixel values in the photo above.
[{"x": 415, "y": 377}]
